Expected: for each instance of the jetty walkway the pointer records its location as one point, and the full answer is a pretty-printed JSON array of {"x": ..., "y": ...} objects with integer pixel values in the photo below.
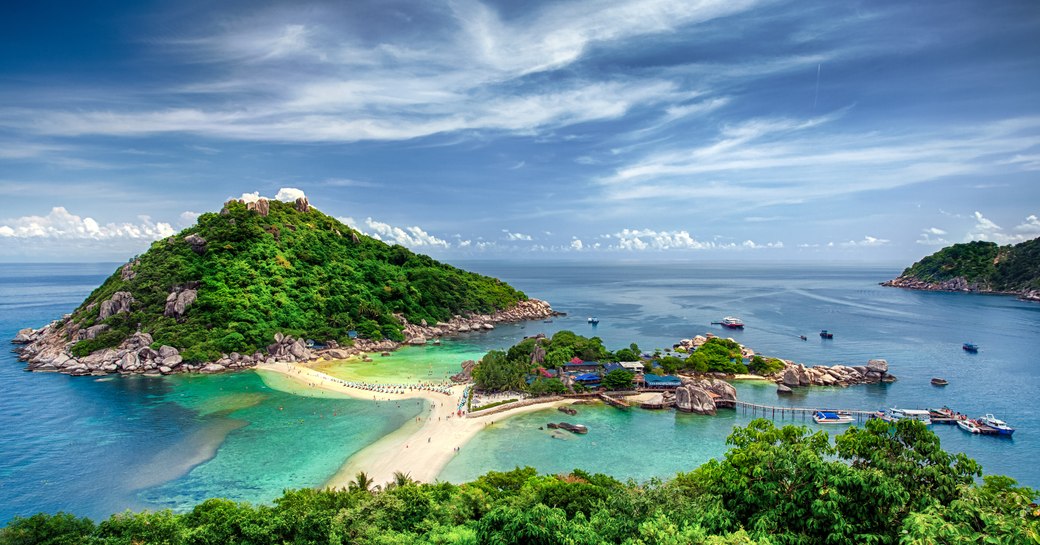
[{"x": 772, "y": 411}]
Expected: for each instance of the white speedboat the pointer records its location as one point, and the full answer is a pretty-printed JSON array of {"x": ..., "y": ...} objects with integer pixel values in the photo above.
[{"x": 969, "y": 426}]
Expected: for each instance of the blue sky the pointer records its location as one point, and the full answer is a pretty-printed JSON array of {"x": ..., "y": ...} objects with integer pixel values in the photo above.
[{"x": 581, "y": 129}]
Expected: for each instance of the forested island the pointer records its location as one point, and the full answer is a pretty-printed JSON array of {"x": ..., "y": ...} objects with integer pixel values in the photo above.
[
  {"x": 980, "y": 267},
  {"x": 255, "y": 281},
  {"x": 882, "y": 483}
]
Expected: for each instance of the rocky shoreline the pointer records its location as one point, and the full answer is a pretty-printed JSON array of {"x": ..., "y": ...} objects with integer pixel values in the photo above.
[
  {"x": 958, "y": 284},
  {"x": 795, "y": 375},
  {"x": 48, "y": 349}
]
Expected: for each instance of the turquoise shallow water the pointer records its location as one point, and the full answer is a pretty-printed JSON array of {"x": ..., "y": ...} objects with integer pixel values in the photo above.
[{"x": 99, "y": 446}]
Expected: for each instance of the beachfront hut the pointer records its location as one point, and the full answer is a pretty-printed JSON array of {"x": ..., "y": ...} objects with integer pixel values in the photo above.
[
  {"x": 662, "y": 382},
  {"x": 608, "y": 367}
]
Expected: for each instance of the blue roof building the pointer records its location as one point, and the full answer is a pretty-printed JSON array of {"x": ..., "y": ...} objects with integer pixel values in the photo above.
[{"x": 662, "y": 382}]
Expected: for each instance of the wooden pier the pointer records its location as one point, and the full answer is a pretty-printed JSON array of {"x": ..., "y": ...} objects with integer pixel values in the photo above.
[
  {"x": 773, "y": 412},
  {"x": 614, "y": 402}
]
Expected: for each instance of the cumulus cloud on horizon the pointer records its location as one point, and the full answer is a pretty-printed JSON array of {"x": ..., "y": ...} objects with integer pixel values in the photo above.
[
  {"x": 649, "y": 239},
  {"x": 285, "y": 194},
  {"x": 987, "y": 230},
  {"x": 59, "y": 223},
  {"x": 410, "y": 237}
]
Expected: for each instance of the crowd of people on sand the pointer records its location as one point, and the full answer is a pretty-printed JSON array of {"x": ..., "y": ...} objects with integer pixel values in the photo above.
[{"x": 443, "y": 388}]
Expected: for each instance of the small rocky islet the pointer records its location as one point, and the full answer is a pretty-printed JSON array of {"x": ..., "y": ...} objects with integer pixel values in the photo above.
[
  {"x": 251, "y": 284},
  {"x": 977, "y": 267}
]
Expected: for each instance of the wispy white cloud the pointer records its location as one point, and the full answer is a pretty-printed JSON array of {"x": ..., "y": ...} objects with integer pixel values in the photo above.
[
  {"x": 516, "y": 236},
  {"x": 59, "y": 223},
  {"x": 347, "y": 90},
  {"x": 866, "y": 242},
  {"x": 776, "y": 161},
  {"x": 933, "y": 236}
]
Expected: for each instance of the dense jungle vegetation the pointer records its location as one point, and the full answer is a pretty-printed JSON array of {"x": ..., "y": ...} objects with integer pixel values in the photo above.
[
  {"x": 879, "y": 484},
  {"x": 999, "y": 268},
  {"x": 301, "y": 273}
]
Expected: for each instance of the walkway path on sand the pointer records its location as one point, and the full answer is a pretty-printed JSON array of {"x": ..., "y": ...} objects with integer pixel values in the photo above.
[{"x": 421, "y": 449}]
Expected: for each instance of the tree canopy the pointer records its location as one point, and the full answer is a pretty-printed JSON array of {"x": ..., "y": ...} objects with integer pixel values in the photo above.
[{"x": 880, "y": 484}]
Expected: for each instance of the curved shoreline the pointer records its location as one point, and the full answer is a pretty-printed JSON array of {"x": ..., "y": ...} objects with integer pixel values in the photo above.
[{"x": 420, "y": 448}]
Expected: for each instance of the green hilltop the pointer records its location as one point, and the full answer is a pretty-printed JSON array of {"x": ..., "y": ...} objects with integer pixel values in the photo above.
[
  {"x": 977, "y": 266},
  {"x": 237, "y": 277}
]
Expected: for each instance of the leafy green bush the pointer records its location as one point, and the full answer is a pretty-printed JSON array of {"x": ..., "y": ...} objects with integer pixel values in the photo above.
[
  {"x": 493, "y": 404},
  {"x": 765, "y": 366}
]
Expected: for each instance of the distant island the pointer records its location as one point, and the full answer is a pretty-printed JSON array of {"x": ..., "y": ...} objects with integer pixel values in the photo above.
[
  {"x": 978, "y": 267},
  {"x": 267, "y": 281}
]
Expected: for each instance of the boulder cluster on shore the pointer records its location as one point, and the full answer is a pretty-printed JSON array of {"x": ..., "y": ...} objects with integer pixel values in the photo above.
[
  {"x": 50, "y": 347},
  {"x": 704, "y": 395},
  {"x": 796, "y": 374}
]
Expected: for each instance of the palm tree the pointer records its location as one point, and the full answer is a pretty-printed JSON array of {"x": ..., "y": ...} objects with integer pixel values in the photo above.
[
  {"x": 400, "y": 479},
  {"x": 361, "y": 482}
]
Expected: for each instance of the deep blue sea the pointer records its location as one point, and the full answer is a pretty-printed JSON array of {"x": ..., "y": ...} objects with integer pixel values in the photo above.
[{"x": 94, "y": 446}]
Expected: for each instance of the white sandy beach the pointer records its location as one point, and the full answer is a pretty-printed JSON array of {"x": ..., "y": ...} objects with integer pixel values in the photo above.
[{"x": 420, "y": 449}]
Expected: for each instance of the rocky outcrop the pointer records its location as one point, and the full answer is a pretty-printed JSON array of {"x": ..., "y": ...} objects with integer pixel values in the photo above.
[
  {"x": 119, "y": 302},
  {"x": 178, "y": 301},
  {"x": 126, "y": 272},
  {"x": 531, "y": 309},
  {"x": 197, "y": 243},
  {"x": 796, "y": 374},
  {"x": 260, "y": 206},
  {"x": 466, "y": 375},
  {"x": 692, "y": 398},
  {"x": 959, "y": 284},
  {"x": 301, "y": 205}
]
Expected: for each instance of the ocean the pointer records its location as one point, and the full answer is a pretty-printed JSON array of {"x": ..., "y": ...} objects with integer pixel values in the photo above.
[{"x": 94, "y": 446}]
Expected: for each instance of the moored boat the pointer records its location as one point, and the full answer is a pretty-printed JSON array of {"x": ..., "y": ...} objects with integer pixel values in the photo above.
[
  {"x": 832, "y": 417},
  {"x": 826, "y": 334},
  {"x": 945, "y": 415},
  {"x": 732, "y": 322},
  {"x": 593, "y": 320},
  {"x": 969, "y": 426},
  {"x": 939, "y": 381},
  {"x": 910, "y": 414},
  {"x": 997, "y": 424},
  {"x": 970, "y": 347}
]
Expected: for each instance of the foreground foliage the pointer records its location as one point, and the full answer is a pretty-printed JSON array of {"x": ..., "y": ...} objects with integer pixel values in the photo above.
[
  {"x": 881, "y": 484},
  {"x": 300, "y": 273}
]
